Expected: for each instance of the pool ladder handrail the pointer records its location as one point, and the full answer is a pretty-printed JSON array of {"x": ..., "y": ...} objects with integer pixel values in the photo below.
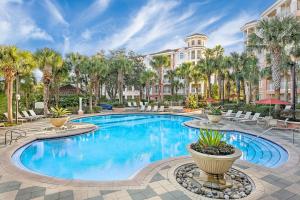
[
  {"x": 258, "y": 136},
  {"x": 19, "y": 132}
]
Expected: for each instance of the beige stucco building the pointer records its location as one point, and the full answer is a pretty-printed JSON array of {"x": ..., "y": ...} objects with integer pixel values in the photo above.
[
  {"x": 279, "y": 8},
  {"x": 192, "y": 52}
]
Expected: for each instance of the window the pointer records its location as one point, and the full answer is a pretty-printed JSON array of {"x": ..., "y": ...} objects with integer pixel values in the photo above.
[
  {"x": 193, "y": 42},
  {"x": 199, "y": 42},
  {"x": 198, "y": 54},
  {"x": 193, "y": 55},
  {"x": 188, "y": 44},
  {"x": 181, "y": 56}
]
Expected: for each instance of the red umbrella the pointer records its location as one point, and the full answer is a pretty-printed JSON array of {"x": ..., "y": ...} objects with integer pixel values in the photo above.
[{"x": 271, "y": 101}]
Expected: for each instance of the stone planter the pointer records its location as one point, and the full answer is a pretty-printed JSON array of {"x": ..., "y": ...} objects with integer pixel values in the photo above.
[
  {"x": 212, "y": 164},
  {"x": 59, "y": 122},
  {"x": 214, "y": 118}
]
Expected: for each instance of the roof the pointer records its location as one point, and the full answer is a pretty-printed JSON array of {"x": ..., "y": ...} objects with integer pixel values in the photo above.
[
  {"x": 197, "y": 34},
  {"x": 271, "y": 8},
  {"x": 163, "y": 51},
  {"x": 249, "y": 24}
]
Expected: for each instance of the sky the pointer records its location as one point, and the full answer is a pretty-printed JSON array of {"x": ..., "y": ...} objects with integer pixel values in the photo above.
[{"x": 144, "y": 26}]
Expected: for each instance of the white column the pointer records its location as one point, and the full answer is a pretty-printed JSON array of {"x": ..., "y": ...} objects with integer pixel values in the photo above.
[{"x": 80, "y": 111}]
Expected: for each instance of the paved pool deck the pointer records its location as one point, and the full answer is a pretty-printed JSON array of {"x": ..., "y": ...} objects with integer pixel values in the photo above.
[{"x": 155, "y": 182}]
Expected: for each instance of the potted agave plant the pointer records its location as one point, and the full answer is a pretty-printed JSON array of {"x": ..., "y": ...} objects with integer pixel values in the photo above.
[
  {"x": 214, "y": 114},
  {"x": 213, "y": 156},
  {"x": 59, "y": 116}
]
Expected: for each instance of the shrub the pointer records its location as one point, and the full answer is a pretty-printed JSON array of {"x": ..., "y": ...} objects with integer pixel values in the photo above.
[
  {"x": 58, "y": 112},
  {"x": 214, "y": 110},
  {"x": 210, "y": 142},
  {"x": 192, "y": 102},
  {"x": 70, "y": 100}
]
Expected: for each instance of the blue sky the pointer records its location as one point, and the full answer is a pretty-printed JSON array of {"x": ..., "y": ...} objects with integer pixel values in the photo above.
[{"x": 145, "y": 26}]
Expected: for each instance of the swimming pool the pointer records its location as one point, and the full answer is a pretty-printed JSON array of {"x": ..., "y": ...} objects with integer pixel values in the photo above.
[{"x": 124, "y": 144}]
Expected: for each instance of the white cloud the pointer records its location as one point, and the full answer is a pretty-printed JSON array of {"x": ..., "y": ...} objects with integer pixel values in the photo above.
[
  {"x": 16, "y": 26},
  {"x": 56, "y": 14},
  {"x": 87, "y": 34},
  {"x": 229, "y": 34},
  {"x": 95, "y": 9}
]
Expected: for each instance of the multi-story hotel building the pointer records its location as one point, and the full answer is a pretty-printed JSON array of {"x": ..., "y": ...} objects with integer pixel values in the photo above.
[
  {"x": 279, "y": 8},
  {"x": 192, "y": 52}
]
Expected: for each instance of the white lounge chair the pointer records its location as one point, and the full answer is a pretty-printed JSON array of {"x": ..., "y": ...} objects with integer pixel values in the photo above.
[
  {"x": 142, "y": 108},
  {"x": 155, "y": 109},
  {"x": 245, "y": 117},
  {"x": 26, "y": 118},
  {"x": 237, "y": 115},
  {"x": 254, "y": 119},
  {"x": 134, "y": 104},
  {"x": 161, "y": 109},
  {"x": 228, "y": 113},
  {"x": 25, "y": 113},
  {"x": 21, "y": 120},
  {"x": 35, "y": 115},
  {"x": 148, "y": 109},
  {"x": 129, "y": 104}
]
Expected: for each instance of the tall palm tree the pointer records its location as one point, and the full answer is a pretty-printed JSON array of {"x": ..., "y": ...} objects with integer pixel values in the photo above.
[
  {"x": 148, "y": 77},
  {"x": 171, "y": 75},
  {"x": 124, "y": 66},
  {"x": 159, "y": 63},
  {"x": 196, "y": 77},
  {"x": 177, "y": 85},
  {"x": 48, "y": 59},
  {"x": 223, "y": 73},
  {"x": 273, "y": 35},
  {"x": 237, "y": 72},
  {"x": 207, "y": 66},
  {"x": 13, "y": 62},
  {"x": 183, "y": 71},
  {"x": 74, "y": 60},
  {"x": 250, "y": 72}
]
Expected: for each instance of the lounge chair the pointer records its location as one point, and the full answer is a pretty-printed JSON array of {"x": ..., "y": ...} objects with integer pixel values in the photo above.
[
  {"x": 245, "y": 117},
  {"x": 228, "y": 113},
  {"x": 155, "y": 109},
  {"x": 148, "y": 109},
  {"x": 134, "y": 104},
  {"x": 254, "y": 119},
  {"x": 129, "y": 104},
  {"x": 25, "y": 113},
  {"x": 141, "y": 103},
  {"x": 288, "y": 107},
  {"x": 237, "y": 115},
  {"x": 142, "y": 108},
  {"x": 161, "y": 109},
  {"x": 26, "y": 118},
  {"x": 21, "y": 120},
  {"x": 35, "y": 115}
]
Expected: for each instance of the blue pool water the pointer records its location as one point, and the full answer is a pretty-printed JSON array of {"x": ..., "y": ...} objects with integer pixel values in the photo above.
[{"x": 124, "y": 144}]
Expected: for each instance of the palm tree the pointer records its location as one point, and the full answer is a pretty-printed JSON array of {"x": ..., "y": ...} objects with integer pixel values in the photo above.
[
  {"x": 273, "y": 35},
  {"x": 74, "y": 60},
  {"x": 237, "y": 68},
  {"x": 159, "y": 63},
  {"x": 177, "y": 85},
  {"x": 184, "y": 72},
  {"x": 13, "y": 62},
  {"x": 171, "y": 75},
  {"x": 48, "y": 60},
  {"x": 124, "y": 66},
  {"x": 207, "y": 66},
  {"x": 196, "y": 77},
  {"x": 250, "y": 72},
  {"x": 148, "y": 77}
]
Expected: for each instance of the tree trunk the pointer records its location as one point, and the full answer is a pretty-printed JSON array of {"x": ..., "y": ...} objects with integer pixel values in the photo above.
[
  {"x": 222, "y": 90},
  {"x": 77, "y": 82},
  {"x": 238, "y": 90},
  {"x": 96, "y": 92},
  {"x": 46, "y": 97},
  {"x": 286, "y": 90},
  {"x": 9, "y": 93},
  {"x": 209, "y": 86},
  {"x": 91, "y": 98},
  {"x": 228, "y": 88},
  {"x": 248, "y": 92},
  {"x": 148, "y": 91},
  {"x": 220, "y": 87},
  {"x": 161, "y": 85},
  {"x": 276, "y": 60},
  {"x": 120, "y": 86}
]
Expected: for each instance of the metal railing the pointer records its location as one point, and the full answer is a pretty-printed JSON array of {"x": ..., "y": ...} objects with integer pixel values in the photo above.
[{"x": 13, "y": 134}]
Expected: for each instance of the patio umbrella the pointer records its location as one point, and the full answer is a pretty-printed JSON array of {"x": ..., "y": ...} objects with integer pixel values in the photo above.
[{"x": 272, "y": 101}]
